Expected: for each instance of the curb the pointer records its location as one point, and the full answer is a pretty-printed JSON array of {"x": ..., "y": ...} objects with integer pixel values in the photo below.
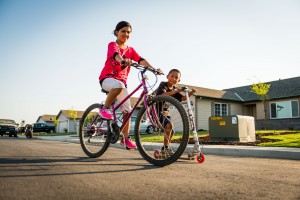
[
  {"x": 221, "y": 150},
  {"x": 253, "y": 151}
]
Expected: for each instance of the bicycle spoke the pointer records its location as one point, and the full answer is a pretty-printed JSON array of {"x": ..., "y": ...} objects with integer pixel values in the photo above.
[
  {"x": 171, "y": 128},
  {"x": 93, "y": 132}
]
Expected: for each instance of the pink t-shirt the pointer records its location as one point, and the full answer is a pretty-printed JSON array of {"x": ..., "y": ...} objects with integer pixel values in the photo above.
[{"x": 112, "y": 68}]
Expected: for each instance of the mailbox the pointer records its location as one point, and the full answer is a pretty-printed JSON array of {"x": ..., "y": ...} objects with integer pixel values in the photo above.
[{"x": 232, "y": 128}]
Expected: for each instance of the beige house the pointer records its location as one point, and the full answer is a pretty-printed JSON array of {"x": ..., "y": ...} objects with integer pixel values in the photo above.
[
  {"x": 282, "y": 106},
  {"x": 65, "y": 121},
  {"x": 48, "y": 119}
]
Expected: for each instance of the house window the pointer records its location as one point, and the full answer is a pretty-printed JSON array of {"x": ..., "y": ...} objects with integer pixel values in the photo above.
[
  {"x": 284, "y": 109},
  {"x": 221, "y": 109}
]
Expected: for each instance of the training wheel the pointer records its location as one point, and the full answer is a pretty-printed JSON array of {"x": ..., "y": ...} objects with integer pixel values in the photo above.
[
  {"x": 156, "y": 154},
  {"x": 200, "y": 158}
]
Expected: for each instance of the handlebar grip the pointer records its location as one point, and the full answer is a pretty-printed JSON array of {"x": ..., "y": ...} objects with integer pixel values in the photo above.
[{"x": 123, "y": 65}]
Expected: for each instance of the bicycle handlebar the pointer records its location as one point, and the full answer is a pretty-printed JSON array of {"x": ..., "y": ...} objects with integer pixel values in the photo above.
[{"x": 137, "y": 66}]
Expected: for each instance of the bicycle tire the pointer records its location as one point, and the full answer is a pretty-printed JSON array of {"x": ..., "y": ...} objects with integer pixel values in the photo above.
[
  {"x": 93, "y": 133},
  {"x": 149, "y": 145}
]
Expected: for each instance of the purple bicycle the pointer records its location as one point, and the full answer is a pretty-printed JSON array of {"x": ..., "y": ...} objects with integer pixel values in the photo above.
[{"x": 168, "y": 119}]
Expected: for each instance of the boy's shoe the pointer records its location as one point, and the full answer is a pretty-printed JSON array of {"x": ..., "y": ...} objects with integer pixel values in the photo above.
[
  {"x": 105, "y": 113},
  {"x": 167, "y": 151},
  {"x": 128, "y": 142}
]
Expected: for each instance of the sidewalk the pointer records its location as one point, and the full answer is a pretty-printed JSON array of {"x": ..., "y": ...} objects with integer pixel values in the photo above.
[{"x": 223, "y": 150}]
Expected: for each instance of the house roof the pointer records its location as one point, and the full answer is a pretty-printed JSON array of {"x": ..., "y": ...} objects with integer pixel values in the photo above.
[
  {"x": 67, "y": 114},
  {"x": 47, "y": 118},
  {"x": 215, "y": 94},
  {"x": 282, "y": 88}
]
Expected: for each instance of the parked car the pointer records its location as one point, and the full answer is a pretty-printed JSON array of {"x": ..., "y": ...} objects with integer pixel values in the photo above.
[
  {"x": 8, "y": 127},
  {"x": 145, "y": 127},
  {"x": 43, "y": 127}
]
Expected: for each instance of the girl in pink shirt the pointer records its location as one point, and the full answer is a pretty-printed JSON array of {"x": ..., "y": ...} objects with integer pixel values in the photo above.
[{"x": 113, "y": 77}]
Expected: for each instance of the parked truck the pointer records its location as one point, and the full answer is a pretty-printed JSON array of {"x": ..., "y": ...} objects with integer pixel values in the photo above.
[
  {"x": 8, "y": 127},
  {"x": 43, "y": 127}
]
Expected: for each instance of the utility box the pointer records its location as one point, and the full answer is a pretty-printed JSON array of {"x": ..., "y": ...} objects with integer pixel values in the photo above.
[{"x": 232, "y": 128}]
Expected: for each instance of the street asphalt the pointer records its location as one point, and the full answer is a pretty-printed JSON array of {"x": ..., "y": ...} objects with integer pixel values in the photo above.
[{"x": 226, "y": 150}]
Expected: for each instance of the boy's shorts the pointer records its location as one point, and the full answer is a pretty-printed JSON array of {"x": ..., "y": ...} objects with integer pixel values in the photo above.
[{"x": 164, "y": 120}]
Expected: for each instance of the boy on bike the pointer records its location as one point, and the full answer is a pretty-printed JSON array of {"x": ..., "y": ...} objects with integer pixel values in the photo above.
[{"x": 169, "y": 88}]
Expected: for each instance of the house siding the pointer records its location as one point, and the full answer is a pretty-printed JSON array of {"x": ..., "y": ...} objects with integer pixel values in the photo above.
[
  {"x": 203, "y": 113},
  {"x": 72, "y": 128},
  {"x": 260, "y": 114},
  {"x": 62, "y": 123},
  {"x": 236, "y": 109}
]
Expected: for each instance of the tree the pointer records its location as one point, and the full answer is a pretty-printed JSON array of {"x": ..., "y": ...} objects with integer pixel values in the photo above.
[
  {"x": 73, "y": 115},
  {"x": 55, "y": 122},
  {"x": 262, "y": 90}
]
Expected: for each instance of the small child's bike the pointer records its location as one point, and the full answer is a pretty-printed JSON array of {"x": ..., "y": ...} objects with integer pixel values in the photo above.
[{"x": 97, "y": 134}]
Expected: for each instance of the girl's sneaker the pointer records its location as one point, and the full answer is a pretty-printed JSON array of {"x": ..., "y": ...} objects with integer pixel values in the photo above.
[
  {"x": 129, "y": 144},
  {"x": 105, "y": 113}
]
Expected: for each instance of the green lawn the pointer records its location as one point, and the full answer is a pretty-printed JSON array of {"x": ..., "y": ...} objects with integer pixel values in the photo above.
[
  {"x": 282, "y": 138},
  {"x": 286, "y": 138}
]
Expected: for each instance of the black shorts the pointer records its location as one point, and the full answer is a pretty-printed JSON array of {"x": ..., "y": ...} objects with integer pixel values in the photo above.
[{"x": 165, "y": 120}]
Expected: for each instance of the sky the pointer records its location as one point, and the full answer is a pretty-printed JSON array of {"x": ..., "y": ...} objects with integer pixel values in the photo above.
[{"x": 52, "y": 51}]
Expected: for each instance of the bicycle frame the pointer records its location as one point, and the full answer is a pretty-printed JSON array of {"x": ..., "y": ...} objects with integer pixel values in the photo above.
[
  {"x": 143, "y": 95},
  {"x": 156, "y": 109}
]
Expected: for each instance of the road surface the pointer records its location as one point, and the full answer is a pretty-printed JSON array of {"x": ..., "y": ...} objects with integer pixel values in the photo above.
[{"x": 39, "y": 169}]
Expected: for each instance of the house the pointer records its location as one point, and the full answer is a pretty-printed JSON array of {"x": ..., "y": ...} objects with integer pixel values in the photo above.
[
  {"x": 209, "y": 102},
  {"x": 282, "y": 106},
  {"x": 66, "y": 123},
  {"x": 48, "y": 119}
]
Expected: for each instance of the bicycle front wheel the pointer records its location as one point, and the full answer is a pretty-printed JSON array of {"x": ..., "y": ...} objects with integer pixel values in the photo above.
[
  {"x": 93, "y": 132},
  {"x": 169, "y": 136}
]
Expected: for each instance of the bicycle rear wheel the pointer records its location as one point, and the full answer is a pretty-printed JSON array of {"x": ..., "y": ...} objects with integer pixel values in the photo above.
[
  {"x": 93, "y": 132},
  {"x": 171, "y": 127}
]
